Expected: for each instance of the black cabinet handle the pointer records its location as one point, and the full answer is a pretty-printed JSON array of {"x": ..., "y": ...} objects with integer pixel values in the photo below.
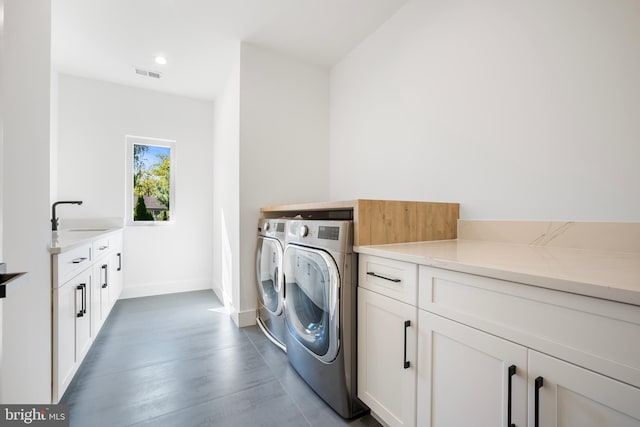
[
  {"x": 119, "y": 261},
  {"x": 371, "y": 273},
  {"x": 102, "y": 248},
  {"x": 79, "y": 260},
  {"x": 407, "y": 323},
  {"x": 512, "y": 372},
  {"x": 105, "y": 267},
  {"x": 539, "y": 383},
  {"x": 83, "y": 309}
]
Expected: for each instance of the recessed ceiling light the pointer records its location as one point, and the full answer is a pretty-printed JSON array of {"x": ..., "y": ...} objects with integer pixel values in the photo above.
[{"x": 161, "y": 60}]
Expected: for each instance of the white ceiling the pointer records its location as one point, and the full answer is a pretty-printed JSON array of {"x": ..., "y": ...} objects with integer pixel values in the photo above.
[{"x": 107, "y": 39}]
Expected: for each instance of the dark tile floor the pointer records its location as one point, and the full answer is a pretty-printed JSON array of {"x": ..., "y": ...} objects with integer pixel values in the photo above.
[{"x": 179, "y": 360}]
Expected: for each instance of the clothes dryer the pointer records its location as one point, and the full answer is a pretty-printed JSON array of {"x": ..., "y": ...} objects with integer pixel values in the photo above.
[{"x": 320, "y": 269}]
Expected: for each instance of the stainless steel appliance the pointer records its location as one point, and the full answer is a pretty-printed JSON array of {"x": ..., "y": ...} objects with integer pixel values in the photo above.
[
  {"x": 320, "y": 269},
  {"x": 269, "y": 280}
]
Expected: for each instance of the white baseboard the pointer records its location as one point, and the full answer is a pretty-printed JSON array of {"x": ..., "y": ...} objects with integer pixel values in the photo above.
[
  {"x": 218, "y": 291},
  {"x": 150, "y": 289},
  {"x": 243, "y": 318}
]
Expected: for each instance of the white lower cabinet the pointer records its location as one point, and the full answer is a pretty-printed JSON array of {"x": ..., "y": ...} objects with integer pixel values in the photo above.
[
  {"x": 467, "y": 377},
  {"x": 386, "y": 357},
  {"x": 82, "y": 303},
  {"x": 492, "y": 353},
  {"x": 116, "y": 279},
  {"x": 108, "y": 284},
  {"x": 100, "y": 294},
  {"x": 71, "y": 327},
  {"x": 570, "y": 396}
]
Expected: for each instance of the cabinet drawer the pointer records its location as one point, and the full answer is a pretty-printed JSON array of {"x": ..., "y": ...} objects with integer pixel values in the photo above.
[
  {"x": 101, "y": 246},
  {"x": 68, "y": 263},
  {"x": 395, "y": 279},
  {"x": 597, "y": 334}
]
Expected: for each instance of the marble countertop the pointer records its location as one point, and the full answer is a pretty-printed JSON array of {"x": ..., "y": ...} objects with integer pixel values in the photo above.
[
  {"x": 602, "y": 274},
  {"x": 68, "y": 239}
]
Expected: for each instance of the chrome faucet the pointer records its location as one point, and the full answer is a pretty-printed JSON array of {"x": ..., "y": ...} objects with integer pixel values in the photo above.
[{"x": 54, "y": 219}]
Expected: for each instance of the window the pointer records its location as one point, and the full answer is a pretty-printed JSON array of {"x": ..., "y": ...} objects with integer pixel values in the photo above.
[{"x": 150, "y": 181}]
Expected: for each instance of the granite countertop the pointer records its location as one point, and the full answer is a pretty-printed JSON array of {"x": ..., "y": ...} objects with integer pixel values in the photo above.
[
  {"x": 67, "y": 239},
  {"x": 602, "y": 274}
]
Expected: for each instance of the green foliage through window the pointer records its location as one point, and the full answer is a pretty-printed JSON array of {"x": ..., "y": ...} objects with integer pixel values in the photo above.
[{"x": 151, "y": 182}]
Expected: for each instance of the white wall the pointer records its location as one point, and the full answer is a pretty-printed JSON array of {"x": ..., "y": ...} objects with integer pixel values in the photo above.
[
  {"x": 517, "y": 110},
  {"x": 54, "y": 120},
  {"x": 272, "y": 129},
  {"x": 26, "y": 371},
  {"x": 284, "y": 133},
  {"x": 1, "y": 162},
  {"x": 94, "y": 118},
  {"x": 226, "y": 190}
]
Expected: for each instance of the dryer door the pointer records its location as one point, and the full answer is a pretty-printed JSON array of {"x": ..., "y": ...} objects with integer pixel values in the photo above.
[
  {"x": 269, "y": 274},
  {"x": 312, "y": 284}
]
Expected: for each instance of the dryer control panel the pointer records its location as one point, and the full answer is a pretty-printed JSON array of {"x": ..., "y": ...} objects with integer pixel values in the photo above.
[
  {"x": 328, "y": 232},
  {"x": 330, "y": 235}
]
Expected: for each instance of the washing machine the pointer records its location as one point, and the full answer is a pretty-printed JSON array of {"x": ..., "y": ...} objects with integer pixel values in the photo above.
[
  {"x": 270, "y": 280},
  {"x": 320, "y": 271}
]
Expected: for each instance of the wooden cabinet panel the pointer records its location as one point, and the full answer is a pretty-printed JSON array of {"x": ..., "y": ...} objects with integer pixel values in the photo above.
[
  {"x": 381, "y": 221},
  {"x": 384, "y": 221},
  {"x": 436, "y": 221},
  {"x": 391, "y": 221}
]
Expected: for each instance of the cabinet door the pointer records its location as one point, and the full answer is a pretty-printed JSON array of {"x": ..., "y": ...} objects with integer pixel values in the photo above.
[
  {"x": 115, "y": 276},
  {"x": 83, "y": 315},
  {"x": 464, "y": 376},
  {"x": 385, "y": 341},
  {"x": 64, "y": 329},
  {"x": 571, "y": 396},
  {"x": 105, "y": 289},
  {"x": 71, "y": 329},
  {"x": 99, "y": 294}
]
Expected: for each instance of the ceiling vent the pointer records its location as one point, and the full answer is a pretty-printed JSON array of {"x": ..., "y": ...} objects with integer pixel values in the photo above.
[{"x": 147, "y": 73}]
